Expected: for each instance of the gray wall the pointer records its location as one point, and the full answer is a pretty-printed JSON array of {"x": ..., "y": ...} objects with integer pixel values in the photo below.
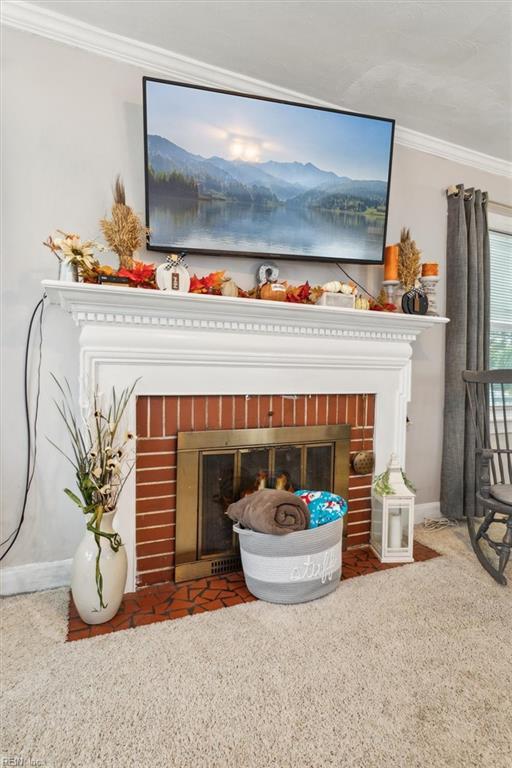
[{"x": 71, "y": 122}]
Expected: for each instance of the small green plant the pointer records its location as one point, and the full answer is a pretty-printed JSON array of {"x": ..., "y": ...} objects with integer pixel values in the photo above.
[
  {"x": 101, "y": 460},
  {"x": 382, "y": 487}
]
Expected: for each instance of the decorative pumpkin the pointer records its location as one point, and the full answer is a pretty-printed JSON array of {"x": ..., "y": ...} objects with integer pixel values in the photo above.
[
  {"x": 337, "y": 286},
  {"x": 173, "y": 276},
  {"x": 334, "y": 286},
  {"x": 362, "y": 303},
  {"x": 273, "y": 292},
  {"x": 229, "y": 287}
]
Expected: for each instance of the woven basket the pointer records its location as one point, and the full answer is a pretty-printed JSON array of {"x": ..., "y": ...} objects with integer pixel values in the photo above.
[{"x": 292, "y": 568}]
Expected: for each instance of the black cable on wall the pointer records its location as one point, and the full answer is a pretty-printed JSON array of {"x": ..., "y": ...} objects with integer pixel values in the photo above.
[{"x": 31, "y": 442}]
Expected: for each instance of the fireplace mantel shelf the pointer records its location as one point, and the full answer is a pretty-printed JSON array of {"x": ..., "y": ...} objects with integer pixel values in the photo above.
[{"x": 112, "y": 305}]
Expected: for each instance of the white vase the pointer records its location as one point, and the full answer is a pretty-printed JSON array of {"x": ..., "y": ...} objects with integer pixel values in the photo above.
[
  {"x": 68, "y": 273},
  {"x": 113, "y": 566}
]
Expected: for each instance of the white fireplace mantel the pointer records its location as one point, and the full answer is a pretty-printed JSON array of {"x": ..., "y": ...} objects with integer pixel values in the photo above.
[
  {"x": 108, "y": 305},
  {"x": 187, "y": 344}
]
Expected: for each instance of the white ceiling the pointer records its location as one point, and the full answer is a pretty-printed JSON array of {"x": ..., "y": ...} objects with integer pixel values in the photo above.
[{"x": 442, "y": 68}]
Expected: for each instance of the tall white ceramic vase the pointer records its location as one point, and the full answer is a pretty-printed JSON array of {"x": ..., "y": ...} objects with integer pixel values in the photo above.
[{"x": 113, "y": 567}]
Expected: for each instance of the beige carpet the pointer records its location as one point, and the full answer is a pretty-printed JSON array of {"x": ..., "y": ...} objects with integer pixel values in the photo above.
[{"x": 404, "y": 668}]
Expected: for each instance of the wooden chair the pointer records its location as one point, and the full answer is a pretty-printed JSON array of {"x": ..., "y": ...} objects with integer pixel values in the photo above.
[{"x": 490, "y": 400}]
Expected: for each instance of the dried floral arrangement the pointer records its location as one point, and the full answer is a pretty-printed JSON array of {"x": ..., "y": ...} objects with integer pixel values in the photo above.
[
  {"x": 408, "y": 260},
  {"x": 102, "y": 462},
  {"x": 124, "y": 231},
  {"x": 72, "y": 249}
]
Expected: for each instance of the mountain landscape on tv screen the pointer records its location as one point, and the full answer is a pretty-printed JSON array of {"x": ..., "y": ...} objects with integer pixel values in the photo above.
[{"x": 175, "y": 173}]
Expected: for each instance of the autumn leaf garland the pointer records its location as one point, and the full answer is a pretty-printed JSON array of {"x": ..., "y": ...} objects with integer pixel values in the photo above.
[
  {"x": 211, "y": 283},
  {"x": 141, "y": 274}
]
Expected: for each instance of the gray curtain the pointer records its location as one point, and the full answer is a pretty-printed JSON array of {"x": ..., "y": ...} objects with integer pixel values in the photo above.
[{"x": 467, "y": 341}]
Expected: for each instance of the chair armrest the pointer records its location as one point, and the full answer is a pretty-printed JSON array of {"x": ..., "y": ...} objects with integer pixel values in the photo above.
[{"x": 484, "y": 479}]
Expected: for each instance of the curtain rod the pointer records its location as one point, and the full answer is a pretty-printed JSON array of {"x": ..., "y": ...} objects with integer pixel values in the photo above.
[
  {"x": 453, "y": 190},
  {"x": 500, "y": 205}
]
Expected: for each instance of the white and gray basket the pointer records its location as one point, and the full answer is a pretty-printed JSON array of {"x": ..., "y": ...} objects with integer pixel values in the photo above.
[{"x": 292, "y": 568}]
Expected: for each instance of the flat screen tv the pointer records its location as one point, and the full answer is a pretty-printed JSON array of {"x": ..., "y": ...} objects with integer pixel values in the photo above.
[{"x": 232, "y": 174}]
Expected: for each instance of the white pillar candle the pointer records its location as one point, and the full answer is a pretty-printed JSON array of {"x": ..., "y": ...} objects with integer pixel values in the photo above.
[{"x": 395, "y": 529}]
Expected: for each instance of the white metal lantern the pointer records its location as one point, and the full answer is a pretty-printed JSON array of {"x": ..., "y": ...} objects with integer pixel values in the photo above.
[{"x": 392, "y": 516}]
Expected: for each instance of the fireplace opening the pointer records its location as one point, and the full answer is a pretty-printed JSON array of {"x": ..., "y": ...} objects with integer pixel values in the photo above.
[{"x": 218, "y": 467}]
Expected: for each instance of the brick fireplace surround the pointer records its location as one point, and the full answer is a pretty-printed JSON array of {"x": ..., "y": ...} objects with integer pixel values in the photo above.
[{"x": 160, "y": 418}]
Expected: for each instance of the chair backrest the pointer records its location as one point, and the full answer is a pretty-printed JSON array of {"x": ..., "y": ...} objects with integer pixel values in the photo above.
[{"x": 490, "y": 401}]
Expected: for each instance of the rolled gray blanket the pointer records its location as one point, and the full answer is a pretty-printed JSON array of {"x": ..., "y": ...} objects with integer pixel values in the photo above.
[{"x": 270, "y": 511}]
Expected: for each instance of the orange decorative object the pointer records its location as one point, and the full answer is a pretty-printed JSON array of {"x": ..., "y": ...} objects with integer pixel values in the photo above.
[
  {"x": 391, "y": 262},
  {"x": 386, "y": 307},
  {"x": 211, "y": 283},
  {"x": 140, "y": 275},
  {"x": 298, "y": 294},
  {"x": 273, "y": 292},
  {"x": 429, "y": 270}
]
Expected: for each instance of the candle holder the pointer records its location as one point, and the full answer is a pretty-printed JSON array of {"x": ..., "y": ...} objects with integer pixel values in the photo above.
[
  {"x": 429, "y": 285},
  {"x": 390, "y": 288}
]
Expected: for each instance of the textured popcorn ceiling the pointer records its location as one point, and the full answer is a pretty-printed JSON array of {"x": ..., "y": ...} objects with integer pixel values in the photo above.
[{"x": 444, "y": 69}]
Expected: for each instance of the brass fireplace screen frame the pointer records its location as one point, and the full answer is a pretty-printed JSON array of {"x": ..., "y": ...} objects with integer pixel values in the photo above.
[{"x": 191, "y": 447}]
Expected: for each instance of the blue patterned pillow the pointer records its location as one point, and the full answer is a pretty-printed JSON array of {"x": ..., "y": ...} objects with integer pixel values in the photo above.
[{"x": 324, "y": 507}]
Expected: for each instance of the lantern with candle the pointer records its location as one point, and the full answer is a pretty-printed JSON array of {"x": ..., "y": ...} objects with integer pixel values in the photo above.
[{"x": 392, "y": 525}]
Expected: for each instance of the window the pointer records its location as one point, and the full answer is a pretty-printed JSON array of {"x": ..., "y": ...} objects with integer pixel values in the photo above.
[{"x": 500, "y": 342}]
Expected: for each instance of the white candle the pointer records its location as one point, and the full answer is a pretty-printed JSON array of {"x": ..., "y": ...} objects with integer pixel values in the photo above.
[{"x": 395, "y": 529}]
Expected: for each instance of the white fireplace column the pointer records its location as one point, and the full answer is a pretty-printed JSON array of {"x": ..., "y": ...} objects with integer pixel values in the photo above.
[{"x": 206, "y": 345}]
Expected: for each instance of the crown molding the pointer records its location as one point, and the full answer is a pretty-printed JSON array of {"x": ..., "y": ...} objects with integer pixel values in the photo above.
[
  {"x": 454, "y": 152},
  {"x": 159, "y": 61}
]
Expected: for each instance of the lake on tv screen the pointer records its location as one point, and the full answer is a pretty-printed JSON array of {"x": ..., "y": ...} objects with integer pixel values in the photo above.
[
  {"x": 216, "y": 225},
  {"x": 267, "y": 178}
]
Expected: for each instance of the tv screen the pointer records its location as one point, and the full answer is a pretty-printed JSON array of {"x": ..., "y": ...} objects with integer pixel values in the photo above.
[{"x": 232, "y": 174}]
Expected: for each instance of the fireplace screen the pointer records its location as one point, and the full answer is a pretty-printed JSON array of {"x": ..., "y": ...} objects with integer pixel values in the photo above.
[{"x": 217, "y": 468}]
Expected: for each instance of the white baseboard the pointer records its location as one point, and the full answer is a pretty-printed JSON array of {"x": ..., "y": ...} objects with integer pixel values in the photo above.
[
  {"x": 34, "y": 577},
  {"x": 431, "y": 509}
]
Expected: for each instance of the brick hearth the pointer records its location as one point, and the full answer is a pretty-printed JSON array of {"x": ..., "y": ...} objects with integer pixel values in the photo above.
[
  {"x": 159, "y": 419},
  {"x": 174, "y": 601}
]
